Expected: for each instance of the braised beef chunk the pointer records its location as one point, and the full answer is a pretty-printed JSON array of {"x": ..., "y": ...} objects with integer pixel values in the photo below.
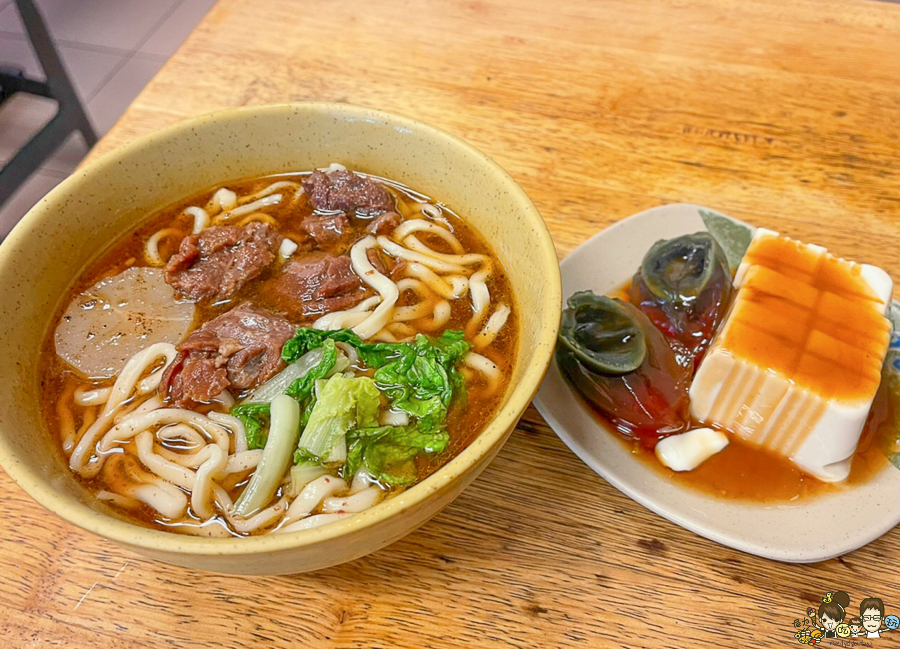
[
  {"x": 385, "y": 223},
  {"x": 318, "y": 283},
  {"x": 198, "y": 380},
  {"x": 326, "y": 230},
  {"x": 216, "y": 263},
  {"x": 344, "y": 191},
  {"x": 337, "y": 194},
  {"x": 240, "y": 349},
  {"x": 390, "y": 266}
]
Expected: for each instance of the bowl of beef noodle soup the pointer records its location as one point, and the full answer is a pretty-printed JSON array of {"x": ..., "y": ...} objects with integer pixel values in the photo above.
[{"x": 273, "y": 339}]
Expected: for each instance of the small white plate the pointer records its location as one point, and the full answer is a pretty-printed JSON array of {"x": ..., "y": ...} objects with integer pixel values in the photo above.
[{"x": 814, "y": 529}]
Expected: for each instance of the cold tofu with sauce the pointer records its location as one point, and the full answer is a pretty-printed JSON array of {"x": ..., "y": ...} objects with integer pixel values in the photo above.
[{"x": 797, "y": 363}]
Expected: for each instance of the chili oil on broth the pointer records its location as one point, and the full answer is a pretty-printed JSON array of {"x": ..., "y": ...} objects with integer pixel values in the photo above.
[
  {"x": 742, "y": 471},
  {"x": 465, "y": 420}
]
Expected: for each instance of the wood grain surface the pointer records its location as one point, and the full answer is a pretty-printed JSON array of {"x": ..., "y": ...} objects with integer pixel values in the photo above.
[{"x": 784, "y": 114}]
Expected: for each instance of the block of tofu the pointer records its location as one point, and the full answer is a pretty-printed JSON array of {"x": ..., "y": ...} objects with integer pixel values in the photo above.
[{"x": 797, "y": 362}]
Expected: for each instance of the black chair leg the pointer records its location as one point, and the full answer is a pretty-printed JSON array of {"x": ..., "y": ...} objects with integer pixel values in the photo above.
[{"x": 70, "y": 116}]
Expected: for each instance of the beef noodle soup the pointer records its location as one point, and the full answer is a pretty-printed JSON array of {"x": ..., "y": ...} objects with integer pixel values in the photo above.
[{"x": 278, "y": 354}]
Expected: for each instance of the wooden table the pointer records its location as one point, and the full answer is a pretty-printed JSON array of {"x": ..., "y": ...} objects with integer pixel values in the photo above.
[{"x": 783, "y": 113}]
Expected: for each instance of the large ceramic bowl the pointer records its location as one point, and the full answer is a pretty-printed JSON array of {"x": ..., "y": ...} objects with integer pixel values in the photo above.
[{"x": 68, "y": 228}]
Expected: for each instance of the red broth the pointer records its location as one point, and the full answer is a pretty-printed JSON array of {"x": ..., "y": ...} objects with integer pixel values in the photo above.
[{"x": 465, "y": 420}]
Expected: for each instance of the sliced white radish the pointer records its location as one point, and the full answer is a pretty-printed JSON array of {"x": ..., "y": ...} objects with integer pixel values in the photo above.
[{"x": 119, "y": 316}]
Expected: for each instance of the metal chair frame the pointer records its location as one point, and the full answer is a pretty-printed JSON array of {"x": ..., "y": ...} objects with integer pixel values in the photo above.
[{"x": 70, "y": 115}]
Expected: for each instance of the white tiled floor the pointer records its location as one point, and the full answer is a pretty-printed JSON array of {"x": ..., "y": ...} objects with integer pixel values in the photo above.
[
  {"x": 111, "y": 49},
  {"x": 114, "y": 97},
  {"x": 126, "y": 24}
]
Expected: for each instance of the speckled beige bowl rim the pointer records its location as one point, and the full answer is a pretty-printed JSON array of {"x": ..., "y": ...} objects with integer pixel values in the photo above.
[{"x": 39, "y": 487}]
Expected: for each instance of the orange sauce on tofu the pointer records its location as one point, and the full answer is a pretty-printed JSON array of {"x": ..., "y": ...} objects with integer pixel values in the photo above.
[{"x": 811, "y": 317}]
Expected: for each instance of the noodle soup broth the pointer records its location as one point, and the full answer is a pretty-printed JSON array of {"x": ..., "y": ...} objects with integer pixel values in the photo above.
[{"x": 277, "y": 354}]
